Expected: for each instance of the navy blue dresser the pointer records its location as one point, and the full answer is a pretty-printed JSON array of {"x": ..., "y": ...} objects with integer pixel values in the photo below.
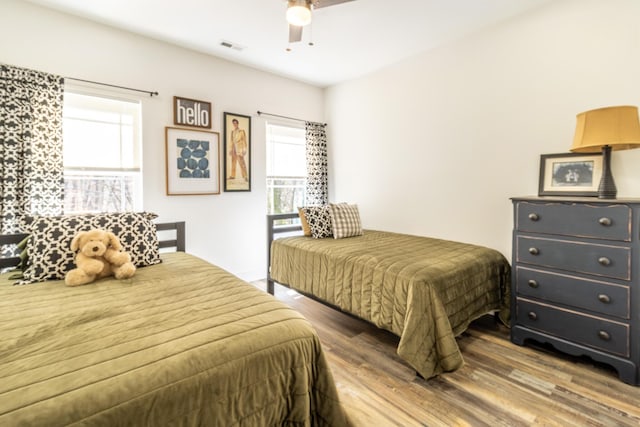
[{"x": 576, "y": 278}]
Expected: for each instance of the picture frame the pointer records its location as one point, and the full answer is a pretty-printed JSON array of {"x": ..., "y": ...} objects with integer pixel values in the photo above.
[
  {"x": 570, "y": 174},
  {"x": 191, "y": 113},
  {"x": 237, "y": 140},
  {"x": 192, "y": 161}
]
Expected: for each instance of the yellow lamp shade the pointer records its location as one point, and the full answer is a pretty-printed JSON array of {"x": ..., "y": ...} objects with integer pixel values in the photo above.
[{"x": 617, "y": 127}]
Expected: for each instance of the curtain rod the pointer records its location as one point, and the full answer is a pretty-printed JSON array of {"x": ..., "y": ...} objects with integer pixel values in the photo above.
[
  {"x": 283, "y": 117},
  {"x": 116, "y": 86}
]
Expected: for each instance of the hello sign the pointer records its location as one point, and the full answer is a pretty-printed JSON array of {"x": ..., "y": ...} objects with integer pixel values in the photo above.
[{"x": 191, "y": 112}]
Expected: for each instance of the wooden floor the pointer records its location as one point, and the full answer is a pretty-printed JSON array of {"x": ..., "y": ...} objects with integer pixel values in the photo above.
[{"x": 501, "y": 384}]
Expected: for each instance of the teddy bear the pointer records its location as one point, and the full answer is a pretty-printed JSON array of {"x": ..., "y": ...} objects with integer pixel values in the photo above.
[{"x": 99, "y": 254}]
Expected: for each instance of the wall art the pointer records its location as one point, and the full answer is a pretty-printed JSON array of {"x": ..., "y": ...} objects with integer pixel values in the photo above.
[
  {"x": 191, "y": 112},
  {"x": 570, "y": 174},
  {"x": 237, "y": 152},
  {"x": 193, "y": 161}
]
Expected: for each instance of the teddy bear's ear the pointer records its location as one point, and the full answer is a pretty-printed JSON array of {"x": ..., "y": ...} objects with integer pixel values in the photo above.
[
  {"x": 114, "y": 242},
  {"x": 75, "y": 243}
]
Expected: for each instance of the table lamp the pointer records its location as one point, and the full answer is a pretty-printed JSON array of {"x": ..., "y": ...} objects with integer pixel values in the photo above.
[{"x": 610, "y": 128}]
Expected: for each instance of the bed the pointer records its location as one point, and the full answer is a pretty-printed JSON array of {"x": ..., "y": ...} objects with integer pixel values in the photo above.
[
  {"x": 426, "y": 291},
  {"x": 183, "y": 342}
]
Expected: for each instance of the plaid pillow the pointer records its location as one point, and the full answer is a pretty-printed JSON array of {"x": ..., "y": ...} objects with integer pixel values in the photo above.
[
  {"x": 319, "y": 221},
  {"x": 345, "y": 220},
  {"x": 49, "y": 245}
]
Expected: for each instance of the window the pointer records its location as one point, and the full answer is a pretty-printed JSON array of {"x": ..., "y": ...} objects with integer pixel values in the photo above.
[
  {"x": 102, "y": 154},
  {"x": 286, "y": 168}
]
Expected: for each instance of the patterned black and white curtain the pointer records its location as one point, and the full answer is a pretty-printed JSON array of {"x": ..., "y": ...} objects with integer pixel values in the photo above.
[
  {"x": 316, "y": 154},
  {"x": 31, "y": 168}
]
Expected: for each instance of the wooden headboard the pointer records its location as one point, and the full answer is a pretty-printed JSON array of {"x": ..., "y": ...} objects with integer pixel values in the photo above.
[
  {"x": 274, "y": 229},
  {"x": 177, "y": 242},
  {"x": 10, "y": 239}
]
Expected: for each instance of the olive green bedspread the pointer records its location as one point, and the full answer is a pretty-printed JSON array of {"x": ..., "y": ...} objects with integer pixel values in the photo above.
[
  {"x": 424, "y": 290},
  {"x": 180, "y": 343}
]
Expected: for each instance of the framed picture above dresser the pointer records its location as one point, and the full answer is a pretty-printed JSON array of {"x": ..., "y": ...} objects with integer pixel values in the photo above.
[{"x": 576, "y": 278}]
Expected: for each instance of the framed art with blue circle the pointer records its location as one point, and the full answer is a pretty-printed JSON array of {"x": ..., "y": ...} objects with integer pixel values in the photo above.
[{"x": 193, "y": 161}]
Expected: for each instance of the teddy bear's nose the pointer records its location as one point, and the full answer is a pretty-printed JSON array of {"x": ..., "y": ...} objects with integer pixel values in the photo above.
[{"x": 95, "y": 249}]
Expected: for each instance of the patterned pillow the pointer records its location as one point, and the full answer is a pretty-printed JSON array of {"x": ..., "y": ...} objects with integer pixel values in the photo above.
[
  {"x": 306, "y": 230},
  {"x": 319, "y": 221},
  {"x": 50, "y": 255},
  {"x": 23, "y": 254},
  {"x": 345, "y": 220},
  {"x": 21, "y": 251}
]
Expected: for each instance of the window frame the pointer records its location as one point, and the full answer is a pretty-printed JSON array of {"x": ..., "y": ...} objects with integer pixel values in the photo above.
[
  {"x": 268, "y": 177},
  {"x": 135, "y": 172}
]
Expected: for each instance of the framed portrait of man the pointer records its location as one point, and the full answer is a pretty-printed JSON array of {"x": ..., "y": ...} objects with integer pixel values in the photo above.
[{"x": 237, "y": 152}]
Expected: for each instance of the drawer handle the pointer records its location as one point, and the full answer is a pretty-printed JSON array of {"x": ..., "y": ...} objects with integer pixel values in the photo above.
[
  {"x": 532, "y": 315},
  {"x": 532, "y": 283},
  {"x": 534, "y": 251},
  {"x": 604, "y": 261},
  {"x": 534, "y": 216},
  {"x": 604, "y": 335},
  {"x": 604, "y": 298},
  {"x": 604, "y": 221}
]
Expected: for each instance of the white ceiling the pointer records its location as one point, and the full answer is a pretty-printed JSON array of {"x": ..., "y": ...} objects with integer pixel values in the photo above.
[{"x": 350, "y": 39}]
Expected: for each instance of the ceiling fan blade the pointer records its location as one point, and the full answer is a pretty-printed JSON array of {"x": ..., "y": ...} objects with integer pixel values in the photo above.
[
  {"x": 295, "y": 33},
  {"x": 317, "y": 4}
]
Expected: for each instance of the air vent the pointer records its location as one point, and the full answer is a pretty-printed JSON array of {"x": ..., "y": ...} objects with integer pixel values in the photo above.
[{"x": 231, "y": 45}]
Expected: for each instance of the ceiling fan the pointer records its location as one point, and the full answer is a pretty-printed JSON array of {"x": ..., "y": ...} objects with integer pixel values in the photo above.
[{"x": 299, "y": 14}]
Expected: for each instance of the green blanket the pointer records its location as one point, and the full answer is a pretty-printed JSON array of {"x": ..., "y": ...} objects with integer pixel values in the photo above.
[
  {"x": 180, "y": 343},
  {"x": 424, "y": 290}
]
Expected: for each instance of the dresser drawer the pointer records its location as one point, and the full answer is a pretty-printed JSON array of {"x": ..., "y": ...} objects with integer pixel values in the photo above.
[
  {"x": 591, "y": 331},
  {"x": 596, "y": 296},
  {"x": 602, "y": 260},
  {"x": 611, "y": 222}
]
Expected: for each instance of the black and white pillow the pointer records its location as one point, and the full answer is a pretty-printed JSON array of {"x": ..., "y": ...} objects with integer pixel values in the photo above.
[
  {"x": 345, "y": 220},
  {"x": 319, "y": 221},
  {"x": 49, "y": 245}
]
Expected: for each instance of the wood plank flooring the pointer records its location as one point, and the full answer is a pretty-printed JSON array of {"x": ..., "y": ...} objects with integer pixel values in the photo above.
[{"x": 501, "y": 384}]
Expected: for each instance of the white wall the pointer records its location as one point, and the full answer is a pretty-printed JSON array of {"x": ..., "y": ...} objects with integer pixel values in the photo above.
[
  {"x": 228, "y": 229},
  {"x": 434, "y": 145},
  {"x": 437, "y": 144}
]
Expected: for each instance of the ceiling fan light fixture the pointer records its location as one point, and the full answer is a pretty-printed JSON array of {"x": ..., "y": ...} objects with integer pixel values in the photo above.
[{"x": 298, "y": 13}]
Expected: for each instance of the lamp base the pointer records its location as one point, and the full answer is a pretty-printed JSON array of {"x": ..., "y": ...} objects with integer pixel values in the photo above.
[{"x": 607, "y": 188}]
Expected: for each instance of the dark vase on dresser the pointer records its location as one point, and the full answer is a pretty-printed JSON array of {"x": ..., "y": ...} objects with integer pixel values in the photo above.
[{"x": 576, "y": 278}]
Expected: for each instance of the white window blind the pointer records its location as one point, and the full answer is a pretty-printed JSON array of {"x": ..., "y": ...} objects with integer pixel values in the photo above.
[
  {"x": 102, "y": 154},
  {"x": 286, "y": 168}
]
